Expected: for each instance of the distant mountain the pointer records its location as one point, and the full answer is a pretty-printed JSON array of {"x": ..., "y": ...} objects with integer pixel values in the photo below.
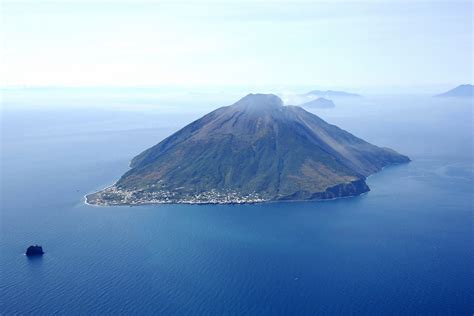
[
  {"x": 331, "y": 94},
  {"x": 252, "y": 151},
  {"x": 320, "y": 103},
  {"x": 462, "y": 91}
]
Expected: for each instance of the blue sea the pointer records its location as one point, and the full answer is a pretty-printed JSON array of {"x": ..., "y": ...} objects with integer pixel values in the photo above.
[{"x": 406, "y": 247}]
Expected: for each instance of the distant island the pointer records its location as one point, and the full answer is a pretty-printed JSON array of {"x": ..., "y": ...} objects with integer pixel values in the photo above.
[
  {"x": 331, "y": 94},
  {"x": 255, "y": 150},
  {"x": 320, "y": 103},
  {"x": 462, "y": 91}
]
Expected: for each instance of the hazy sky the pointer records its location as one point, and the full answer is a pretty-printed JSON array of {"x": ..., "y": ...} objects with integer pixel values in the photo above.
[{"x": 326, "y": 44}]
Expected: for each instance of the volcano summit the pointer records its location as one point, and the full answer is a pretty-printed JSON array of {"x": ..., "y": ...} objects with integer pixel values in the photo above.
[{"x": 252, "y": 151}]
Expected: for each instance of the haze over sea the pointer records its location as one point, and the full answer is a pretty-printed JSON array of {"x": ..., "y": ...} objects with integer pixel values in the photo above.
[{"x": 403, "y": 248}]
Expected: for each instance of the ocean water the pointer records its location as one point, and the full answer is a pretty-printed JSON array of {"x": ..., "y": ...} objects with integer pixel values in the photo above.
[{"x": 406, "y": 247}]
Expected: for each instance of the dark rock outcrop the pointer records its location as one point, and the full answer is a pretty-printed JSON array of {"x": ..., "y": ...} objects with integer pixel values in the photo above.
[{"x": 34, "y": 251}]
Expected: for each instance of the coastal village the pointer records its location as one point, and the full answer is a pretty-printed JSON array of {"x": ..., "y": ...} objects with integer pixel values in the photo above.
[{"x": 116, "y": 196}]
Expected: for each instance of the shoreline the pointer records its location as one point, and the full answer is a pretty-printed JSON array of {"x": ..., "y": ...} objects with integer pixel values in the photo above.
[
  {"x": 230, "y": 203},
  {"x": 249, "y": 202},
  {"x": 319, "y": 199}
]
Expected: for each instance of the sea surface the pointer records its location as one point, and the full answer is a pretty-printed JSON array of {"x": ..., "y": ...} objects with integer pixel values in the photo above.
[{"x": 406, "y": 247}]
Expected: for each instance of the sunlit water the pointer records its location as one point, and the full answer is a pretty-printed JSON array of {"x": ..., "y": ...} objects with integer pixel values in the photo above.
[{"x": 405, "y": 247}]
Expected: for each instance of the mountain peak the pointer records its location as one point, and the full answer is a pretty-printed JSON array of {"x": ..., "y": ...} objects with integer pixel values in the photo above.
[{"x": 258, "y": 101}]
